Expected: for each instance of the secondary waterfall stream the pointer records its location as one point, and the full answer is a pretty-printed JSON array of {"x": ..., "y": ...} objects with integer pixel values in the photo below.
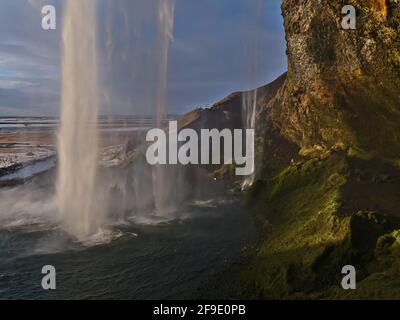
[
  {"x": 250, "y": 98},
  {"x": 80, "y": 213},
  {"x": 161, "y": 175}
]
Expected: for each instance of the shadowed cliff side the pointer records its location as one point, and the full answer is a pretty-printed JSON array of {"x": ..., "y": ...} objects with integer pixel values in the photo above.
[{"x": 273, "y": 151}]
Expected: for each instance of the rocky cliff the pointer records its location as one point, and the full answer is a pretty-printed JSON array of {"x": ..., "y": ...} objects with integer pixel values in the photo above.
[
  {"x": 341, "y": 89},
  {"x": 343, "y": 85},
  {"x": 336, "y": 117}
]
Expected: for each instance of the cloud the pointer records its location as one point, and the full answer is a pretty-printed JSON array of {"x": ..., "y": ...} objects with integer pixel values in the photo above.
[
  {"x": 33, "y": 3},
  {"x": 207, "y": 58},
  {"x": 38, "y": 3},
  {"x": 14, "y": 84},
  {"x": 29, "y": 60}
]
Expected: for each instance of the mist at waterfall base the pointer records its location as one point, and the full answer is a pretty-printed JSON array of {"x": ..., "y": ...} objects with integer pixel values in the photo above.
[
  {"x": 131, "y": 231},
  {"x": 140, "y": 254},
  {"x": 167, "y": 260}
]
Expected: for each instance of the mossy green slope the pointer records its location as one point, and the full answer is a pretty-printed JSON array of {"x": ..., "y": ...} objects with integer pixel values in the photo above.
[{"x": 307, "y": 238}]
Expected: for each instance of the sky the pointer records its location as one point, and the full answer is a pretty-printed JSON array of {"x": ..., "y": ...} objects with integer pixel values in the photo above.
[{"x": 218, "y": 47}]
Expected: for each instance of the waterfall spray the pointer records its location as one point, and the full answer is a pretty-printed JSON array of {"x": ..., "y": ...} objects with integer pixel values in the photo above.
[{"x": 77, "y": 137}]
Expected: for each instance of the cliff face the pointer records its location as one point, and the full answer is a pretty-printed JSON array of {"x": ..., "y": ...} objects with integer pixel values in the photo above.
[
  {"x": 272, "y": 149},
  {"x": 338, "y": 204},
  {"x": 340, "y": 103},
  {"x": 227, "y": 113},
  {"x": 342, "y": 86}
]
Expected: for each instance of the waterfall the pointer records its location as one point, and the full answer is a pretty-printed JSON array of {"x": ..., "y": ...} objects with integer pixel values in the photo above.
[
  {"x": 249, "y": 108},
  {"x": 148, "y": 30},
  {"x": 163, "y": 177},
  {"x": 79, "y": 211},
  {"x": 250, "y": 98},
  {"x": 165, "y": 26}
]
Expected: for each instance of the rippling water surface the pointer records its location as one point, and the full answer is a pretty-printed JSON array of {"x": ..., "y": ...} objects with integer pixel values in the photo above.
[{"x": 140, "y": 260}]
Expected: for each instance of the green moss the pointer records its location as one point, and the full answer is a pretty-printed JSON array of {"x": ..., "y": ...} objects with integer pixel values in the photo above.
[
  {"x": 384, "y": 280},
  {"x": 309, "y": 240},
  {"x": 300, "y": 202}
]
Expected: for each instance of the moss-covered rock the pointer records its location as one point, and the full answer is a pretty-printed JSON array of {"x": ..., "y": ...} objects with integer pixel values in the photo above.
[
  {"x": 342, "y": 85},
  {"x": 309, "y": 233}
]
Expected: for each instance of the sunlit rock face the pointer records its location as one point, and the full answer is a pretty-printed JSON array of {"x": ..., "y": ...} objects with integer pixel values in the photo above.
[
  {"x": 339, "y": 80},
  {"x": 379, "y": 7}
]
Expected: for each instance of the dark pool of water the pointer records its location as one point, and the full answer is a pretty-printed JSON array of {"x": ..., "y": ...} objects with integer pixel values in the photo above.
[{"x": 165, "y": 261}]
